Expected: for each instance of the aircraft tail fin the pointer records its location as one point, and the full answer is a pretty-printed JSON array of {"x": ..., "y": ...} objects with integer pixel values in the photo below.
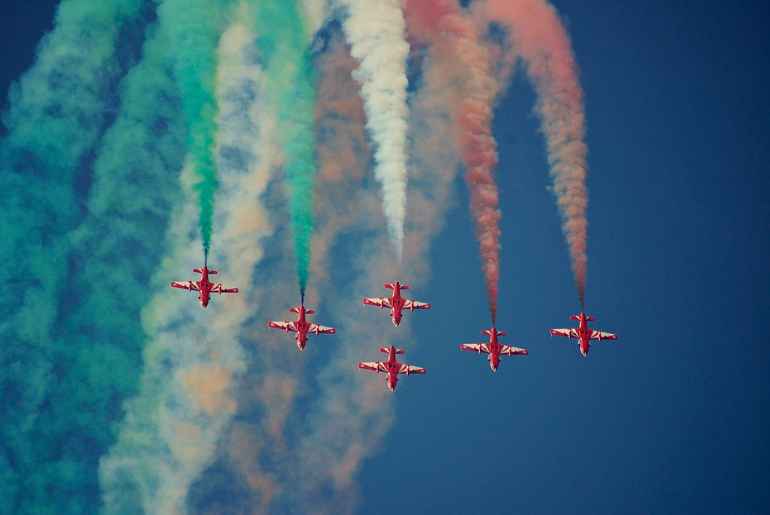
[
  {"x": 310, "y": 311},
  {"x": 386, "y": 350},
  {"x": 392, "y": 286},
  {"x": 575, "y": 317},
  {"x": 294, "y": 309}
]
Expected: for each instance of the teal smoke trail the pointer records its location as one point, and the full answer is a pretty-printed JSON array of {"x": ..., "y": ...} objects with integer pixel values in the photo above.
[
  {"x": 98, "y": 341},
  {"x": 283, "y": 41},
  {"x": 194, "y": 27},
  {"x": 57, "y": 113},
  {"x": 122, "y": 242}
]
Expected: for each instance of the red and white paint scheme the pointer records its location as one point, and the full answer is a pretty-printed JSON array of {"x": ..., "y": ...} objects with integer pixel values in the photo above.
[
  {"x": 494, "y": 348},
  {"x": 583, "y": 333},
  {"x": 396, "y": 302},
  {"x": 203, "y": 286},
  {"x": 391, "y": 367},
  {"x": 301, "y": 326}
]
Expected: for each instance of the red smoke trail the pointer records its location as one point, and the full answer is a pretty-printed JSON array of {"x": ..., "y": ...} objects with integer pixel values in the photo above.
[
  {"x": 539, "y": 37},
  {"x": 454, "y": 40}
]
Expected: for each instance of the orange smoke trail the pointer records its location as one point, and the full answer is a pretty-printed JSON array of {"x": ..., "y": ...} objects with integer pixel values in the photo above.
[
  {"x": 454, "y": 40},
  {"x": 540, "y": 38}
]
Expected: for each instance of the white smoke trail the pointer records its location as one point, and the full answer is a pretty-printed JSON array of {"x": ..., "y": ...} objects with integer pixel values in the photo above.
[
  {"x": 375, "y": 30},
  {"x": 194, "y": 359}
]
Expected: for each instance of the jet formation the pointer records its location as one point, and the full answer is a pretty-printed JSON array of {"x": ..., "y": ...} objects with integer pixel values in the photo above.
[{"x": 391, "y": 367}]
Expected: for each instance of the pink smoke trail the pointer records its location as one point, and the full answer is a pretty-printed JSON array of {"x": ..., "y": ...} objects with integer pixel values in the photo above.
[
  {"x": 455, "y": 39},
  {"x": 539, "y": 37}
]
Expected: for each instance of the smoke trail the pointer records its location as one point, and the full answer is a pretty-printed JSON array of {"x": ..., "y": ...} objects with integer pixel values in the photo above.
[
  {"x": 539, "y": 36},
  {"x": 99, "y": 340},
  {"x": 193, "y": 359},
  {"x": 57, "y": 113},
  {"x": 194, "y": 27},
  {"x": 349, "y": 412},
  {"x": 455, "y": 37},
  {"x": 283, "y": 40},
  {"x": 375, "y": 31},
  {"x": 314, "y": 436}
]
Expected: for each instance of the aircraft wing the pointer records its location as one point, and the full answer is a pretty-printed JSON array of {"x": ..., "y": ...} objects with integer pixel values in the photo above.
[
  {"x": 601, "y": 335},
  {"x": 415, "y": 304},
  {"x": 375, "y": 301},
  {"x": 185, "y": 285},
  {"x": 567, "y": 333},
  {"x": 321, "y": 329},
  {"x": 283, "y": 326},
  {"x": 218, "y": 288},
  {"x": 507, "y": 350},
  {"x": 372, "y": 366},
  {"x": 475, "y": 347},
  {"x": 411, "y": 369}
]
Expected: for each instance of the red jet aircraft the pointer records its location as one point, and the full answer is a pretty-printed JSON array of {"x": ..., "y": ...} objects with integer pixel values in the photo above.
[
  {"x": 391, "y": 367},
  {"x": 396, "y": 302},
  {"x": 203, "y": 286},
  {"x": 583, "y": 333},
  {"x": 301, "y": 326},
  {"x": 494, "y": 348}
]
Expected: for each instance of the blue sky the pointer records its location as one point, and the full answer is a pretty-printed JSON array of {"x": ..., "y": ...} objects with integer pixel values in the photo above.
[{"x": 672, "y": 418}]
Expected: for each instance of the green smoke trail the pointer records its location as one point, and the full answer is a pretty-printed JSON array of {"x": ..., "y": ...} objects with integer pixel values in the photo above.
[
  {"x": 283, "y": 41},
  {"x": 194, "y": 27},
  {"x": 57, "y": 113}
]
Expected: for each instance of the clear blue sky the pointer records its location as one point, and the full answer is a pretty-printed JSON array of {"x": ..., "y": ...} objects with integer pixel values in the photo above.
[{"x": 672, "y": 418}]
